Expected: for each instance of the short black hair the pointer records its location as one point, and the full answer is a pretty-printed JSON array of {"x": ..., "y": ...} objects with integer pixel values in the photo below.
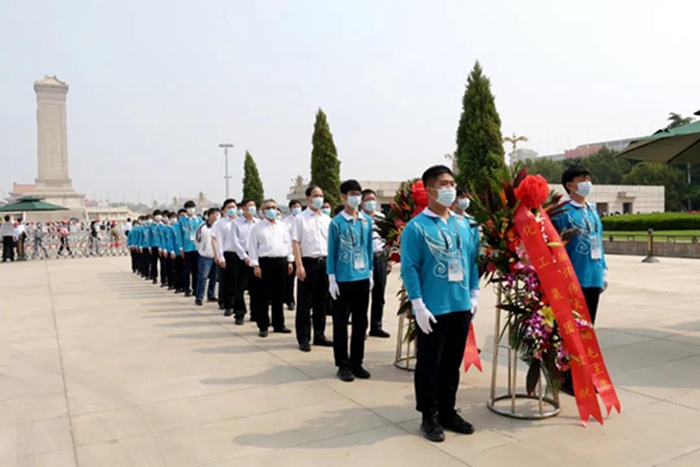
[
  {"x": 573, "y": 172},
  {"x": 213, "y": 210},
  {"x": 368, "y": 191},
  {"x": 310, "y": 189},
  {"x": 350, "y": 185},
  {"x": 434, "y": 172},
  {"x": 190, "y": 204},
  {"x": 7, "y": 218},
  {"x": 165, "y": 213},
  {"x": 228, "y": 201},
  {"x": 128, "y": 219},
  {"x": 156, "y": 212},
  {"x": 248, "y": 200},
  {"x": 461, "y": 191},
  {"x": 338, "y": 209},
  {"x": 269, "y": 200},
  {"x": 293, "y": 202},
  {"x": 181, "y": 211}
]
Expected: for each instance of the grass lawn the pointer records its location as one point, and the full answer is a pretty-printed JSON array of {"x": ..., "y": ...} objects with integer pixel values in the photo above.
[{"x": 682, "y": 235}]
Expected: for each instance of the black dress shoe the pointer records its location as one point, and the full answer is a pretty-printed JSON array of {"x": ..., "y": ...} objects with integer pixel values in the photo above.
[
  {"x": 380, "y": 333},
  {"x": 163, "y": 285},
  {"x": 431, "y": 429},
  {"x": 457, "y": 424},
  {"x": 188, "y": 294},
  {"x": 283, "y": 330},
  {"x": 228, "y": 312},
  {"x": 263, "y": 333},
  {"x": 212, "y": 299},
  {"x": 155, "y": 281},
  {"x": 323, "y": 342},
  {"x": 198, "y": 302},
  {"x": 239, "y": 320},
  {"x": 305, "y": 347},
  {"x": 361, "y": 373},
  {"x": 345, "y": 374},
  {"x": 290, "y": 306}
]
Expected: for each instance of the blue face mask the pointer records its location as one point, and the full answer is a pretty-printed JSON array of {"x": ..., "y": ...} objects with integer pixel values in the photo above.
[
  {"x": 464, "y": 203},
  {"x": 326, "y": 211},
  {"x": 271, "y": 214},
  {"x": 371, "y": 206},
  {"x": 253, "y": 211},
  {"x": 584, "y": 189},
  {"x": 296, "y": 211},
  {"x": 231, "y": 212},
  {"x": 240, "y": 212},
  {"x": 317, "y": 202},
  {"x": 354, "y": 201},
  {"x": 446, "y": 196}
]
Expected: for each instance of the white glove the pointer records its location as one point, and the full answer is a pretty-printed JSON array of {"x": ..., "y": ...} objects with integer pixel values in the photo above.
[
  {"x": 333, "y": 287},
  {"x": 423, "y": 315},
  {"x": 606, "y": 282},
  {"x": 371, "y": 283},
  {"x": 474, "y": 296}
]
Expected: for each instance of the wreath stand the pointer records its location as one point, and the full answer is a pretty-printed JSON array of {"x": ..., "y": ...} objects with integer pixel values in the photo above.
[
  {"x": 546, "y": 407},
  {"x": 405, "y": 349}
]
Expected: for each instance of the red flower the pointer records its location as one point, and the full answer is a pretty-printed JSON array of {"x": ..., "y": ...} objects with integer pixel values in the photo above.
[
  {"x": 398, "y": 223},
  {"x": 420, "y": 196},
  {"x": 395, "y": 257},
  {"x": 533, "y": 191}
]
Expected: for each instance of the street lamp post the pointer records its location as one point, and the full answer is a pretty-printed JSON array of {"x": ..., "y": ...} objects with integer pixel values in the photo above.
[{"x": 227, "y": 177}]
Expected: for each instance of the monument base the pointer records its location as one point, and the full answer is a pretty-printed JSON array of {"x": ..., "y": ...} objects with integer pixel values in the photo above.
[{"x": 74, "y": 202}]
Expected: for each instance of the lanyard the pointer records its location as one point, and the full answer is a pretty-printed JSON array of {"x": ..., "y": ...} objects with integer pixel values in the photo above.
[
  {"x": 589, "y": 220},
  {"x": 351, "y": 230},
  {"x": 444, "y": 236}
]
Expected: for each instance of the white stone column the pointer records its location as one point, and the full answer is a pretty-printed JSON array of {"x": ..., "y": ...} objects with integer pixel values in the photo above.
[{"x": 52, "y": 135}]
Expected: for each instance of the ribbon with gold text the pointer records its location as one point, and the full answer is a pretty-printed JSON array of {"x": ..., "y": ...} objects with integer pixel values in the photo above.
[{"x": 471, "y": 352}]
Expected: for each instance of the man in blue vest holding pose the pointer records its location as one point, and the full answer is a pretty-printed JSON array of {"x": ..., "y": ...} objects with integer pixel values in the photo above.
[
  {"x": 187, "y": 231},
  {"x": 438, "y": 265}
]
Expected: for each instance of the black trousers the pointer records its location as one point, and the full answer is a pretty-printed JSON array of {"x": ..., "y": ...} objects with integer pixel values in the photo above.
[
  {"x": 227, "y": 280},
  {"x": 312, "y": 294},
  {"x": 133, "y": 260},
  {"x": 190, "y": 271},
  {"x": 438, "y": 359},
  {"x": 289, "y": 286},
  {"x": 243, "y": 280},
  {"x": 592, "y": 296},
  {"x": 177, "y": 271},
  {"x": 353, "y": 298},
  {"x": 153, "y": 271},
  {"x": 64, "y": 246},
  {"x": 379, "y": 275},
  {"x": 145, "y": 262},
  {"x": 164, "y": 269},
  {"x": 8, "y": 248},
  {"x": 270, "y": 293}
]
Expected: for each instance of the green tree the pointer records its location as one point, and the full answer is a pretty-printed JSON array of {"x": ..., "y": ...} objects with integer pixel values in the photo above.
[
  {"x": 252, "y": 185},
  {"x": 479, "y": 142},
  {"x": 673, "y": 180},
  {"x": 675, "y": 120},
  {"x": 551, "y": 170},
  {"x": 325, "y": 165},
  {"x": 606, "y": 168}
]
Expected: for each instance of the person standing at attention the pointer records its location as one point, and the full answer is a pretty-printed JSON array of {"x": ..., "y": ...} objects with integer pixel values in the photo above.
[
  {"x": 270, "y": 249},
  {"x": 206, "y": 267},
  {"x": 381, "y": 267},
  {"x": 294, "y": 211},
  {"x": 310, "y": 241},
  {"x": 188, "y": 250},
  {"x": 223, "y": 237},
  {"x": 439, "y": 269},
  {"x": 349, "y": 267},
  {"x": 7, "y": 232},
  {"x": 243, "y": 275}
]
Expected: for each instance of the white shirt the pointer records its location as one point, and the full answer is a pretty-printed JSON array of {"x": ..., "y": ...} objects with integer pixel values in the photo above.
[
  {"x": 203, "y": 241},
  {"x": 223, "y": 232},
  {"x": 270, "y": 240},
  {"x": 127, "y": 227},
  {"x": 310, "y": 230},
  {"x": 378, "y": 243},
  {"x": 7, "y": 229},
  {"x": 241, "y": 231}
]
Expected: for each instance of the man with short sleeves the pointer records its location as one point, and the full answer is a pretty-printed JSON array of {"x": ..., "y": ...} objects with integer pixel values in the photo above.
[
  {"x": 223, "y": 240},
  {"x": 243, "y": 278}
]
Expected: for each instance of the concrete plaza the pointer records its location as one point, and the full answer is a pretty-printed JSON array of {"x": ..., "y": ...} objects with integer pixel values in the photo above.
[{"x": 100, "y": 368}]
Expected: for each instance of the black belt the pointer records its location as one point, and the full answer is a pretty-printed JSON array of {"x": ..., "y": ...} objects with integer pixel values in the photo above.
[{"x": 314, "y": 260}]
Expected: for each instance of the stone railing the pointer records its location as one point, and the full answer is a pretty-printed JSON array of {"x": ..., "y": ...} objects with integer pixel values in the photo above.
[{"x": 661, "y": 248}]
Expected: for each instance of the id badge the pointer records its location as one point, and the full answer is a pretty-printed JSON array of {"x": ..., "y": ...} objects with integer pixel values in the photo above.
[
  {"x": 455, "y": 272},
  {"x": 359, "y": 262},
  {"x": 192, "y": 237},
  {"x": 596, "y": 251}
]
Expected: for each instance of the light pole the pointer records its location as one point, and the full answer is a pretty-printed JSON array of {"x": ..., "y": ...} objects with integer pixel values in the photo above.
[{"x": 227, "y": 177}]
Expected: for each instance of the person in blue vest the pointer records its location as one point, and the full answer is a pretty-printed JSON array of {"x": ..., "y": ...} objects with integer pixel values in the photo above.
[
  {"x": 586, "y": 247},
  {"x": 131, "y": 245},
  {"x": 154, "y": 245},
  {"x": 439, "y": 269},
  {"x": 349, "y": 266},
  {"x": 173, "y": 249},
  {"x": 145, "y": 247},
  {"x": 163, "y": 247},
  {"x": 179, "y": 260},
  {"x": 188, "y": 225}
]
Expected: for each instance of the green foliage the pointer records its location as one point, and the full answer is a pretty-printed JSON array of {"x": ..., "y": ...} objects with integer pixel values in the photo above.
[
  {"x": 479, "y": 142},
  {"x": 672, "y": 178},
  {"x": 325, "y": 165},
  {"x": 658, "y": 222},
  {"x": 549, "y": 169},
  {"x": 252, "y": 185}
]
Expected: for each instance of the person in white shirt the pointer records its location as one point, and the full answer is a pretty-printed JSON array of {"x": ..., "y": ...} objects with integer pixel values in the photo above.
[
  {"x": 310, "y": 240},
  {"x": 294, "y": 211},
  {"x": 381, "y": 267},
  {"x": 7, "y": 232},
  {"x": 206, "y": 268},
  {"x": 223, "y": 237},
  {"x": 243, "y": 271},
  {"x": 270, "y": 249}
]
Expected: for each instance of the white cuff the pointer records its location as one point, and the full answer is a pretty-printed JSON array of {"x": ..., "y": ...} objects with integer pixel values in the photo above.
[
  {"x": 418, "y": 302},
  {"x": 474, "y": 294}
]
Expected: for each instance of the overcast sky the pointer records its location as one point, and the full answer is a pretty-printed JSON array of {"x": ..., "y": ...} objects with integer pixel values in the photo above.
[{"x": 155, "y": 86}]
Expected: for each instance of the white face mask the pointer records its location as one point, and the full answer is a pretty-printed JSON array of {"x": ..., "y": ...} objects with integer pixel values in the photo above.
[
  {"x": 354, "y": 201},
  {"x": 464, "y": 203},
  {"x": 446, "y": 196},
  {"x": 584, "y": 189},
  {"x": 190, "y": 211}
]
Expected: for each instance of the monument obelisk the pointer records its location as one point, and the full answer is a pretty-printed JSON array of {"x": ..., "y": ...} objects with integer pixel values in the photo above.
[{"x": 53, "y": 182}]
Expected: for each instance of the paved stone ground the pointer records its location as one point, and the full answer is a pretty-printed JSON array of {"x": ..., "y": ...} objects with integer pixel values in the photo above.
[{"x": 100, "y": 368}]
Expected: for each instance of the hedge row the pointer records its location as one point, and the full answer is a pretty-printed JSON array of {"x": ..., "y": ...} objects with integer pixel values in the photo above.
[{"x": 662, "y": 221}]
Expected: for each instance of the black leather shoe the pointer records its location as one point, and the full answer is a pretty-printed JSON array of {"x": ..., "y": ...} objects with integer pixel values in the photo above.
[
  {"x": 361, "y": 373},
  {"x": 188, "y": 294},
  {"x": 228, "y": 312},
  {"x": 290, "y": 306},
  {"x": 345, "y": 374},
  {"x": 457, "y": 424},
  {"x": 212, "y": 299},
  {"x": 198, "y": 302},
  {"x": 305, "y": 347},
  {"x": 380, "y": 333},
  {"x": 263, "y": 333},
  {"x": 239, "y": 321},
  {"x": 432, "y": 430},
  {"x": 323, "y": 342},
  {"x": 283, "y": 330}
]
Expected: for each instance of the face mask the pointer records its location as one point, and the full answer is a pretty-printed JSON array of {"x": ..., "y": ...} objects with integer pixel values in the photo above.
[
  {"x": 464, "y": 203},
  {"x": 296, "y": 211},
  {"x": 190, "y": 211},
  {"x": 370, "y": 206},
  {"x": 354, "y": 201},
  {"x": 173, "y": 220},
  {"x": 271, "y": 214},
  {"x": 217, "y": 217},
  {"x": 149, "y": 221},
  {"x": 231, "y": 212},
  {"x": 253, "y": 211},
  {"x": 446, "y": 196},
  {"x": 326, "y": 211},
  {"x": 317, "y": 202},
  {"x": 240, "y": 212},
  {"x": 584, "y": 189},
  {"x": 159, "y": 217}
]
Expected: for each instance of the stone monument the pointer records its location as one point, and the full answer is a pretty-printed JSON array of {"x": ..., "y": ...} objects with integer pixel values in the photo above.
[{"x": 53, "y": 183}]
